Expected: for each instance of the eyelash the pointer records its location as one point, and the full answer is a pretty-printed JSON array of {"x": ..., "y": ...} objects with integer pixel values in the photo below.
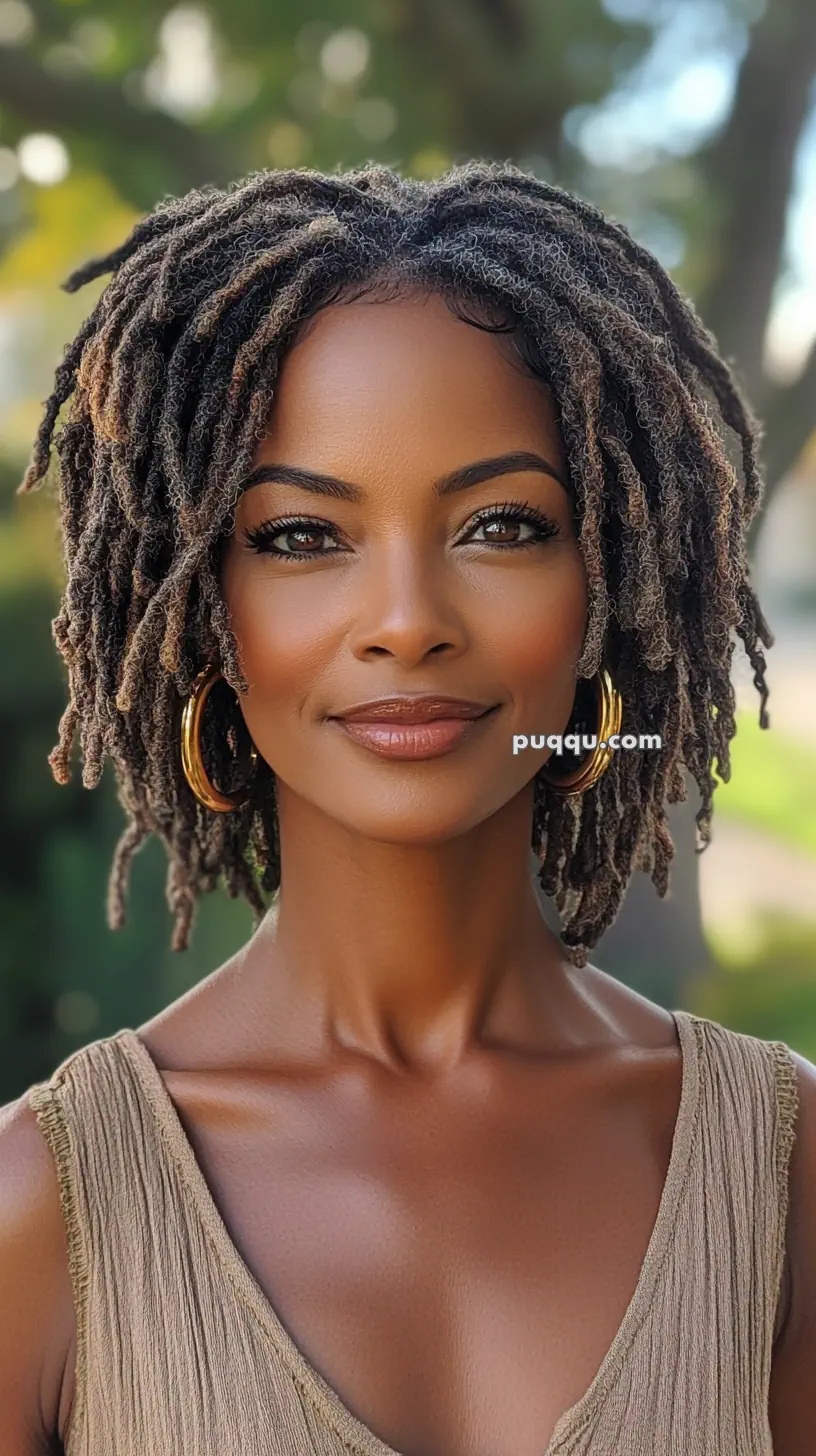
[{"x": 259, "y": 538}]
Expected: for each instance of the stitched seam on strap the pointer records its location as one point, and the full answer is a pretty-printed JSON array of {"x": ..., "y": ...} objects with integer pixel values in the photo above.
[
  {"x": 786, "y": 1087},
  {"x": 46, "y": 1103}
]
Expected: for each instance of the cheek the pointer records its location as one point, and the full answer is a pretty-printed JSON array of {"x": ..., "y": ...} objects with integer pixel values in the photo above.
[
  {"x": 533, "y": 624},
  {"x": 287, "y": 632},
  {"x": 536, "y": 641},
  {"x": 548, "y": 627}
]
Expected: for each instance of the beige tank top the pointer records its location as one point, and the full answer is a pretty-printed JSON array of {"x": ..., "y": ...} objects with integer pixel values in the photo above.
[{"x": 179, "y": 1352}]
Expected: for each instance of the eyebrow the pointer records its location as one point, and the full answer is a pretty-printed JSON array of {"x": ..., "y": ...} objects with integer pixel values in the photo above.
[{"x": 461, "y": 479}]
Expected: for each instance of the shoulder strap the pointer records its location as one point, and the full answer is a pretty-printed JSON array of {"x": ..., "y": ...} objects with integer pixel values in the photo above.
[
  {"x": 90, "y": 1116},
  {"x": 172, "y": 1354},
  {"x": 697, "y": 1365},
  {"x": 751, "y": 1097}
]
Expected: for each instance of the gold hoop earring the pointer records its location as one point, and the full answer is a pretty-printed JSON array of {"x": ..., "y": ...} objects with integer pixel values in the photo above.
[
  {"x": 191, "y": 760},
  {"x": 610, "y": 713}
]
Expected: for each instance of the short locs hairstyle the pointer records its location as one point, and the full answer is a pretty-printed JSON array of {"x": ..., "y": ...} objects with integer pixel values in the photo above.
[{"x": 172, "y": 377}]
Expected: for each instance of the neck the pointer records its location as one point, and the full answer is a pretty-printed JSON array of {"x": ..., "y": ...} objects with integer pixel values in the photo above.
[{"x": 412, "y": 955}]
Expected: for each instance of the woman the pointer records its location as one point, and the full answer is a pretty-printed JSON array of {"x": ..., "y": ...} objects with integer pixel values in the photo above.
[{"x": 365, "y": 482}]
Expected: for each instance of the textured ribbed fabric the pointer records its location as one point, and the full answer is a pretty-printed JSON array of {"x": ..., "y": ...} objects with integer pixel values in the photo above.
[{"x": 180, "y": 1353}]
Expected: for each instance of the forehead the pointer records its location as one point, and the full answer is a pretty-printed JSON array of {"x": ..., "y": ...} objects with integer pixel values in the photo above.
[{"x": 385, "y": 371}]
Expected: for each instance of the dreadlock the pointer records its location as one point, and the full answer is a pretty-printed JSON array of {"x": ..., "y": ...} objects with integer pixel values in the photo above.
[{"x": 172, "y": 377}]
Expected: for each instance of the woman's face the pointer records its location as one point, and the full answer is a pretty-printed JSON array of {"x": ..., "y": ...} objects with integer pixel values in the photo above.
[{"x": 389, "y": 585}]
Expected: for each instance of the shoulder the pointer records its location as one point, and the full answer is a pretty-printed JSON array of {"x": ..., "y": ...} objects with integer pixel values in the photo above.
[{"x": 37, "y": 1328}]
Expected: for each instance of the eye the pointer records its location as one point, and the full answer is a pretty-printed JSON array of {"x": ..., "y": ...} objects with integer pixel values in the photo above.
[
  {"x": 292, "y": 537},
  {"x": 509, "y": 526}
]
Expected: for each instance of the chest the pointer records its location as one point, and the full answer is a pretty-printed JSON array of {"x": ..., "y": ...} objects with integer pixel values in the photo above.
[{"x": 456, "y": 1274}]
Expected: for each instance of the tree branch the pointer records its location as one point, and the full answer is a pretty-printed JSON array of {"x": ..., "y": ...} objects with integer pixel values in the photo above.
[
  {"x": 504, "y": 94},
  {"x": 90, "y": 106},
  {"x": 790, "y": 419}
]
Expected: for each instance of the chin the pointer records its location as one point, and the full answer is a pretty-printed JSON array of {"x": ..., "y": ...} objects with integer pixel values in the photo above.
[{"x": 421, "y": 820}]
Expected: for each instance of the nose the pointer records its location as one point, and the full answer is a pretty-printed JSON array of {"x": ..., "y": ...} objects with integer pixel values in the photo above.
[{"x": 405, "y": 610}]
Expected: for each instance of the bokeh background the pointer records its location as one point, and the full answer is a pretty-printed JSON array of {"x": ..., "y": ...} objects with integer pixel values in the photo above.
[{"x": 692, "y": 121}]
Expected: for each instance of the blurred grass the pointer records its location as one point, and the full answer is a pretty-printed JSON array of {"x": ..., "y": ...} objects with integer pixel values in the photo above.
[
  {"x": 772, "y": 785},
  {"x": 768, "y": 991}
]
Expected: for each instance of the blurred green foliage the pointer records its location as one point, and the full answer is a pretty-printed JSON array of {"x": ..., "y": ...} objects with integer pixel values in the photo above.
[{"x": 772, "y": 785}]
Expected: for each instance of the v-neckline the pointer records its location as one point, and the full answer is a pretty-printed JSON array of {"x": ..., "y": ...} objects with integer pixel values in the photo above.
[{"x": 354, "y": 1432}]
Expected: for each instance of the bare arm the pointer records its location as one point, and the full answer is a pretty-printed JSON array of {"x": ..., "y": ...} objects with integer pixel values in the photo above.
[
  {"x": 793, "y": 1376},
  {"x": 36, "y": 1308}
]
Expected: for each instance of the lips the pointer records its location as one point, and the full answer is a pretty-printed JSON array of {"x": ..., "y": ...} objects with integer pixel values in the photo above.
[
  {"x": 425, "y": 709},
  {"x": 417, "y": 727}
]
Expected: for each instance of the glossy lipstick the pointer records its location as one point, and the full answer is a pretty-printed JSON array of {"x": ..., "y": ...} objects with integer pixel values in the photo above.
[{"x": 412, "y": 727}]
